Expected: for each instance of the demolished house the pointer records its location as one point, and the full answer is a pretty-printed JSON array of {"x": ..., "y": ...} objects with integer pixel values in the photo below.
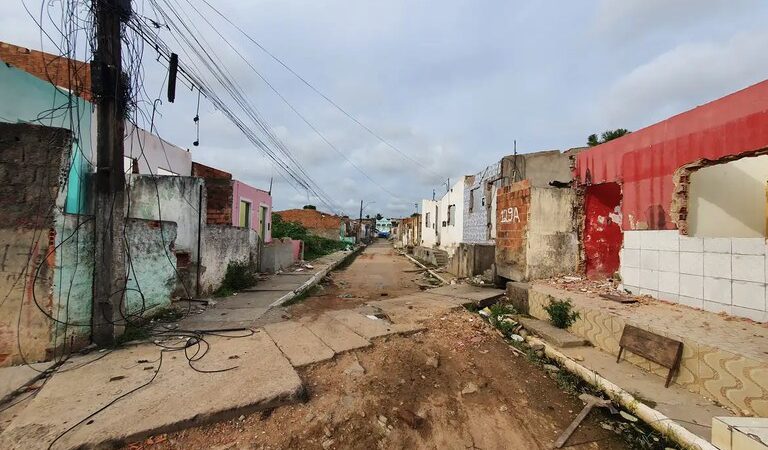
[
  {"x": 536, "y": 227},
  {"x": 679, "y": 208}
]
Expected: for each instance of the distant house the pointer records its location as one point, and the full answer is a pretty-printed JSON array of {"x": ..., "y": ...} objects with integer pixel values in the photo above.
[
  {"x": 384, "y": 227},
  {"x": 232, "y": 202},
  {"x": 321, "y": 224},
  {"x": 252, "y": 208}
]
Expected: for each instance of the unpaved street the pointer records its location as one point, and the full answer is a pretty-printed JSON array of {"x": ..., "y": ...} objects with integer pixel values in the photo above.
[
  {"x": 375, "y": 274},
  {"x": 457, "y": 385}
]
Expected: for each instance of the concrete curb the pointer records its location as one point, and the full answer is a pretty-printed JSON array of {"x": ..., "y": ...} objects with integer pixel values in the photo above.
[
  {"x": 316, "y": 278},
  {"x": 650, "y": 416}
]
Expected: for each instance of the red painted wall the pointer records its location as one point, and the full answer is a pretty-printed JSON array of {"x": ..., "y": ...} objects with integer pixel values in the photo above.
[
  {"x": 602, "y": 229},
  {"x": 644, "y": 161}
]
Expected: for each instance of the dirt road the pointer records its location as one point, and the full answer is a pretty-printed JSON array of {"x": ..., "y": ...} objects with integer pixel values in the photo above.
[
  {"x": 457, "y": 385},
  {"x": 376, "y": 273}
]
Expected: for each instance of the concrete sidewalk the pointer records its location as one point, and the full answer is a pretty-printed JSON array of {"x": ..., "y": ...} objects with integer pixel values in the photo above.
[
  {"x": 243, "y": 309},
  {"x": 132, "y": 393}
]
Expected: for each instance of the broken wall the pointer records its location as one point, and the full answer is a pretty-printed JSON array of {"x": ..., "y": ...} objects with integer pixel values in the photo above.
[
  {"x": 33, "y": 163},
  {"x": 472, "y": 259},
  {"x": 221, "y": 245},
  {"x": 479, "y": 214},
  {"x": 539, "y": 168},
  {"x": 513, "y": 202},
  {"x": 219, "y": 193},
  {"x": 729, "y": 199},
  {"x": 552, "y": 238},
  {"x": 280, "y": 254}
]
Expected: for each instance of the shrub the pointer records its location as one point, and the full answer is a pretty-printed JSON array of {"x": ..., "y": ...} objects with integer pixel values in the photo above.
[
  {"x": 240, "y": 275},
  {"x": 561, "y": 312},
  {"x": 314, "y": 246}
]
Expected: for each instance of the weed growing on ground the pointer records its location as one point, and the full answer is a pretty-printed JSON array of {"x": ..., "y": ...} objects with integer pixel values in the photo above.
[
  {"x": 561, "y": 312},
  {"x": 637, "y": 435},
  {"x": 132, "y": 332},
  {"x": 240, "y": 275},
  {"x": 314, "y": 246}
]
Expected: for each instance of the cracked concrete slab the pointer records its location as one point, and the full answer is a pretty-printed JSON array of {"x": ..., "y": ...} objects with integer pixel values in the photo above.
[
  {"x": 336, "y": 335},
  {"x": 298, "y": 344},
  {"x": 372, "y": 328},
  {"x": 178, "y": 397},
  {"x": 415, "y": 307}
]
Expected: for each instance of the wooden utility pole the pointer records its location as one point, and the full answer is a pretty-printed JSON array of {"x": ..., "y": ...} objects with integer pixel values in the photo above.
[
  {"x": 360, "y": 223},
  {"x": 109, "y": 275}
]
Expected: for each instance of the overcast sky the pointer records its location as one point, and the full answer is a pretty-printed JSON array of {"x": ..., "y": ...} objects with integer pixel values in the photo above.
[{"x": 451, "y": 83}]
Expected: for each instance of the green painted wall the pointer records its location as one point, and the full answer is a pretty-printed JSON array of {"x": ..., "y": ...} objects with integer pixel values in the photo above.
[
  {"x": 28, "y": 99},
  {"x": 73, "y": 278},
  {"x": 153, "y": 270}
]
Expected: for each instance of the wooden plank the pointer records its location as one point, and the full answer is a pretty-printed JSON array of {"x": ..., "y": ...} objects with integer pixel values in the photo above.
[
  {"x": 660, "y": 349},
  {"x": 572, "y": 427}
]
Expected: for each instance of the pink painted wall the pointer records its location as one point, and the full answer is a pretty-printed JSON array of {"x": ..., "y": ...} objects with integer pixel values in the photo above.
[
  {"x": 297, "y": 249},
  {"x": 257, "y": 198}
]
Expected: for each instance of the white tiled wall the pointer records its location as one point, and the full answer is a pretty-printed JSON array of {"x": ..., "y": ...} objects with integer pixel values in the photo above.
[{"x": 716, "y": 274}]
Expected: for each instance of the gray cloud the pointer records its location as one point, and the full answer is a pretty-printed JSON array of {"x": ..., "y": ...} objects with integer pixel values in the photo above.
[
  {"x": 689, "y": 74},
  {"x": 452, "y": 83}
]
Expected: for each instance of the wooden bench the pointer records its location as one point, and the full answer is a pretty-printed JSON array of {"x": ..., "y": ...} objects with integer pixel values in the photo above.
[{"x": 662, "y": 350}]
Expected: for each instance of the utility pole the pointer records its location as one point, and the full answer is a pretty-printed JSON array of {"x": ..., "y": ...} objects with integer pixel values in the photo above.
[
  {"x": 109, "y": 276},
  {"x": 360, "y": 223}
]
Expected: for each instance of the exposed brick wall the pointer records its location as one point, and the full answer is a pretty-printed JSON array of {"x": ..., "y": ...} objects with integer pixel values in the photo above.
[
  {"x": 219, "y": 193},
  {"x": 63, "y": 72},
  {"x": 32, "y": 162},
  {"x": 32, "y": 167},
  {"x": 512, "y": 207}
]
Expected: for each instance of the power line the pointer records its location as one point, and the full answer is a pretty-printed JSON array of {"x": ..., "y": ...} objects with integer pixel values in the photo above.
[
  {"x": 318, "y": 92},
  {"x": 299, "y": 114}
]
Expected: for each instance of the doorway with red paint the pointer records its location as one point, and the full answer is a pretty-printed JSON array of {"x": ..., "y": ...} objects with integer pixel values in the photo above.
[{"x": 602, "y": 229}]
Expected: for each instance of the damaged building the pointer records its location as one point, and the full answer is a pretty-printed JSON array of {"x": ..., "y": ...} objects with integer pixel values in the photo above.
[{"x": 679, "y": 208}]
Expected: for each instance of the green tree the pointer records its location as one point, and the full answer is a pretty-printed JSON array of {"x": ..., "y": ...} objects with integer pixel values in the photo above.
[
  {"x": 379, "y": 216},
  {"x": 606, "y": 136},
  {"x": 310, "y": 207}
]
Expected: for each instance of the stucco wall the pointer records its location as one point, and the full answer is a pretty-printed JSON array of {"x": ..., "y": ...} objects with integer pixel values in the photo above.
[
  {"x": 452, "y": 234},
  {"x": 536, "y": 232},
  {"x": 152, "y": 273},
  {"x": 153, "y": 153},
  {"x": 602, "y": 229},
  {"x": 553, "y": 243},
  {"x": 728, "y": 200},
  {"x": 222, "y": 244},
  {"x": 257, "y": 198},
  {"x": 280, "y": 254},
  {"x": 173, "y": 199},
  {"x": 429, "y": 224},
  {"x": 539, "y": 168}
]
